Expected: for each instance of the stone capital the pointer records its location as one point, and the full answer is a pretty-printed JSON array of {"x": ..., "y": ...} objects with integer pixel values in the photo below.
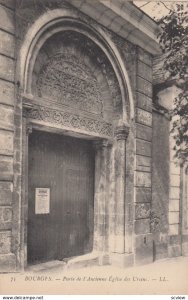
[
  {"x": 121, "y": 132},
  {"x": 29, "y": 129},
  {"x": 99, "y": 144},
  {"x": 27, "y": 107},
  {"x": 106, "y": 144}
]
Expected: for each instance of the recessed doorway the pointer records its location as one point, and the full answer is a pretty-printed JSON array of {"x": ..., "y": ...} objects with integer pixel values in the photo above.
[{"x": 60, "y": 197}]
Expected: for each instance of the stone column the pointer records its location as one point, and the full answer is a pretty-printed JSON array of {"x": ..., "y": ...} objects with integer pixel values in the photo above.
[
  {"x": 102, "y": 165},
  {"x": 26, "y": 131},
  {"x": 121, "y": 134}
]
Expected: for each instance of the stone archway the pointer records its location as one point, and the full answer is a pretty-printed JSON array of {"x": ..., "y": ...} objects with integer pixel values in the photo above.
[
  {"x": 62, "y": 19},
  {"x": 103, "y": 118}
]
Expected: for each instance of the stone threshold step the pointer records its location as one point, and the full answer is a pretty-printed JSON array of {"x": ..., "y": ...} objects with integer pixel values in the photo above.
[
  {"x": 46, "y": 266},
  {"x": 77, "y": 262},
  {"x": 83, "y": 261}
]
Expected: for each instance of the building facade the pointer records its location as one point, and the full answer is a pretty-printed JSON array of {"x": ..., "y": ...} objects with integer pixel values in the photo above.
[{"x": 86, "y": 166}]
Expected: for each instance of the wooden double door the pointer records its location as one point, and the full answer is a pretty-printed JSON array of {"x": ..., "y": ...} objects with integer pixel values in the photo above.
[{"x": 60, "y": 197}]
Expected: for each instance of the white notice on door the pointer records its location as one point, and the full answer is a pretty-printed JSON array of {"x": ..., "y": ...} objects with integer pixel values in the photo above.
[{"x": 42, "y": 201}]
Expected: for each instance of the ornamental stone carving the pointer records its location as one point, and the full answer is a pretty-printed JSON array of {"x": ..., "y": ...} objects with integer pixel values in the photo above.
[
  {"x": 67, "y": 80},
  {"x": 142, "y": 210},
  {"x": 70, "y": 120},
  {"x": 122, "y": 132}
]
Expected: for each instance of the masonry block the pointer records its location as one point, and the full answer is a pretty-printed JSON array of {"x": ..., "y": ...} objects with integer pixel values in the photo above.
[
  {"x": 144, "y": 57},
  {"x": 174, "y": 217},
  {"x": 174, "y": 205},
  {"x": 5, "y": 218},
  {"x": 174, "y": 169},
  {"x": 7, "y": 67},
  {"x": 6, "y": 168},
  {"x": 143, "y": 249},
  {"x": 7, "y": 19},
  {"x": 143, "y": 163},
  {"x": 6, "y": 193},
  {"x": 160, "y": 250},
  {"x": 185, "y": 249},
  {"x": 173, "y": 229},
  {"x": 174, "y": 251},
  {"x": 160, "y": 245},
  {"x": 143, "y": 132},
  {"x": 6, "y": 142},
  {"x": 144, "y": 102},
  {"x": 142, "y": 226},
  {"x": 143, "y": 168},
  {"x": 124, "y": 260},
  {"x": 143, "y": 148},
  {"x": 144, "y": 117},
  {"x": 143, "y": 194},
  {"x": 7, "y": 44},
  {"x": 143, "y": 179},
  {"x": 174, "y": 192},
  {"x": 8, "y": 263},
  {"x": 144, "y": 71},
  {"x": 5, "y": 242},
  {"x": 6, "y": 117},
  {"x": 144, "y": 86},
  {"x": 175, "y": 180},
  {"x": 175, "y": 239},
  {"x": 6, "y": 92},
  {"x": 184, "y": 238}
]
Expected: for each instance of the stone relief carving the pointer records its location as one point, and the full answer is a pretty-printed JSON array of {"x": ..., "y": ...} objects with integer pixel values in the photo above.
[
  {"x": 70, "y": 120},
  {"x": 154, "y": 221},
  {"x": 122, "y": 132},
  {"x": 67, "y": 80},
  {"x": 113, "y": 85},
  {"x": 142, "y": 211}
]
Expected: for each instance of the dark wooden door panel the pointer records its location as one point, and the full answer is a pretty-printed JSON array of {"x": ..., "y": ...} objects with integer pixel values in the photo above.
[
  {"x": 65, "y": 165},
  {"x": 42, "y": 228}
]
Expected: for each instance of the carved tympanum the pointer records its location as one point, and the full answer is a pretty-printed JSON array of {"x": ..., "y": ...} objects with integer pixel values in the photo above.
[{"x": 67, "y": 80}]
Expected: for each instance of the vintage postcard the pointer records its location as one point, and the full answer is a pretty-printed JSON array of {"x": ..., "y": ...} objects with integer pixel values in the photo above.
[{"x": 93, "y": 147}]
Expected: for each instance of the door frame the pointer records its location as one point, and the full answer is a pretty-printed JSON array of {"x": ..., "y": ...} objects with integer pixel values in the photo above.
[
  {"x": 27, "y": 127},
  {"x": 110, "y": 228}
]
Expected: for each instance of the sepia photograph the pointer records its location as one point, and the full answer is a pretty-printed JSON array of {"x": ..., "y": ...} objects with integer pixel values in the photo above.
[{"x": 93, "y": 148}]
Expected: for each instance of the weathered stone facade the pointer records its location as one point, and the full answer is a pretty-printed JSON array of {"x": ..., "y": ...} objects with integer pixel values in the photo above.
[{"x": 68, "y": 69}]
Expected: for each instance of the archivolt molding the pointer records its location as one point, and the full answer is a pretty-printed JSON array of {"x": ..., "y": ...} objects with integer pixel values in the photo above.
[{"x": 61, "y": 20}]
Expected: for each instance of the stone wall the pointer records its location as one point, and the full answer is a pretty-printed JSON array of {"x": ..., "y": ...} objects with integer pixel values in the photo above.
[
  {"x": 7, "y": 97},
  {"x": 143, "y": 237},
  {"x": 184, "y": 208},
  {"x": 160, "y": 184},
  {"x": 174, "y": 248},
  {"x": 139, "y": 238},
  {"x": 165, "y": 98}
]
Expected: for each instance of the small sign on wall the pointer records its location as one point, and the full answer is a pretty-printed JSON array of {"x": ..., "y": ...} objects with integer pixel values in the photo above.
[{"x": 42, "y": 201}]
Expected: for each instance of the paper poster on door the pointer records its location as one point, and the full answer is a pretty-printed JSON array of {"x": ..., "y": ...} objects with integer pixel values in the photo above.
[{"x": 42, "y": 201}]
